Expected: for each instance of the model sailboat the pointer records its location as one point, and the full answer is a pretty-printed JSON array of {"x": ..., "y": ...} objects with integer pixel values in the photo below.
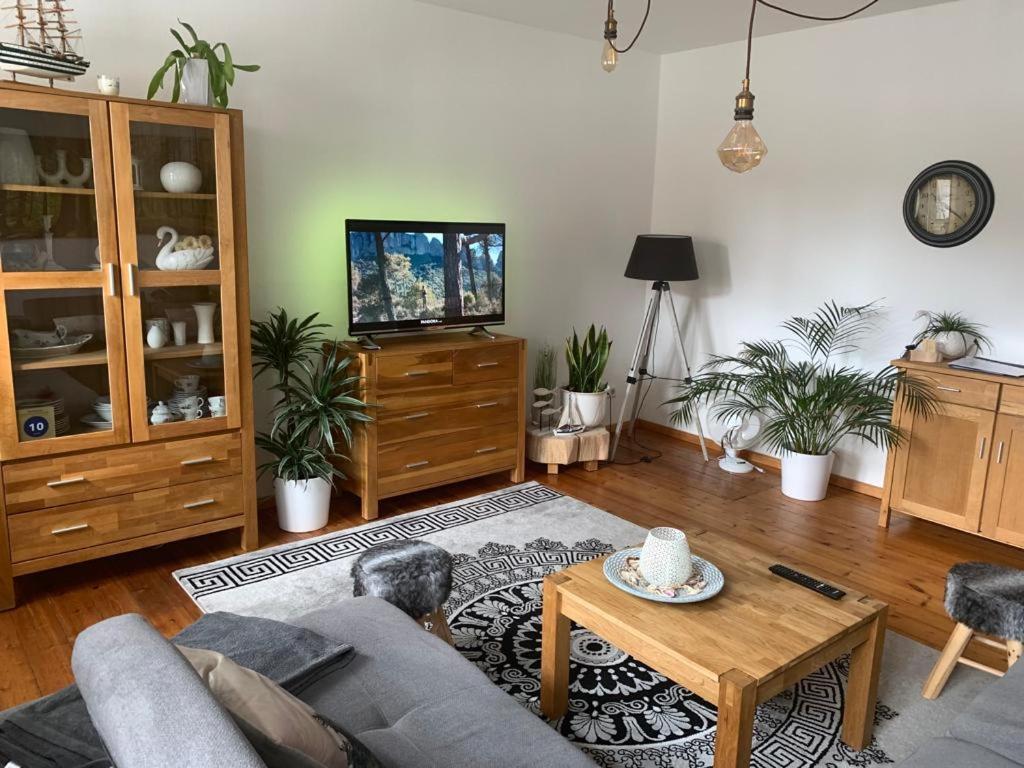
[{"x": 44, "y": 41}]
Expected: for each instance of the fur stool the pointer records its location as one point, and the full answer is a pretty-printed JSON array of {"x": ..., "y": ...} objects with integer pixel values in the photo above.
[
  {"x": 412, "y": 575},
  {"x": 986, "y": 599}
]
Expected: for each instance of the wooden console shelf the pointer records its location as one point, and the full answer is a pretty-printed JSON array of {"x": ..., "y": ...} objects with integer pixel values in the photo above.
[
  {"x": 447, "y": 407},
  {"x": 963, "y": 467}
]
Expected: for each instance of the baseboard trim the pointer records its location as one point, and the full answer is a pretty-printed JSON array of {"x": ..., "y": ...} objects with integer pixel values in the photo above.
[{"x": 763, "y": 460}]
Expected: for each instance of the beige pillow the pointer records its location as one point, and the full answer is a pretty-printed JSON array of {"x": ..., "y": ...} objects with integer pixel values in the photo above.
[{"x": 267, "y": 707}]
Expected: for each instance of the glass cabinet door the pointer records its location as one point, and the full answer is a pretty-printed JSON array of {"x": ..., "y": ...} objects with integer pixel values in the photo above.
[
  {"x": 173, "y": 183},
  {"x": 62, "y": 357}
]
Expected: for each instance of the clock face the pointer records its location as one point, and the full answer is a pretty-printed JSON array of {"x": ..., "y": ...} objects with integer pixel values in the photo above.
[{"x": 948, "y": 203}]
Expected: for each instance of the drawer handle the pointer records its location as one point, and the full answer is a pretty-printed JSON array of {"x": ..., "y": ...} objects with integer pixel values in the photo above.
[
  {"x": 948, "y": 389},
  {"x": 200, "y": 460},
  {"x": 66, "y": 481},
  {"x": 485, "y": 365},
  {"x": 486, "y": 405},
  {"x": 487, "y": 450},
  {"x": 417, "y": 373},
  {"x": 69, "y": 529},
  {"x": 200, "y": 503},
  {"x": 981, "y": 450},
  {"x": 414, "y": 416},
  {"x": 416, "y": 464}
]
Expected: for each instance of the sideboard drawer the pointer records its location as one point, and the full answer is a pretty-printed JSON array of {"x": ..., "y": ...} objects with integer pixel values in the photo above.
[
  {"x": 51, "y": 482},
  {"x": 960, "y": 390},
  {"x": 476, "y": 410},
  {"x": 422, "y": 369},
  {"x": 429, "y": 453},
  {"x": 486, "y": 364},
  {"x": 1013, "y": 400},
  {"x": 69, "y": 528}
]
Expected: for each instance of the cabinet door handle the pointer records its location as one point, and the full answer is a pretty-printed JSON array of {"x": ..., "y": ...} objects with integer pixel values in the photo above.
[
  {"x": 487, "y": 405},
  {"x": 66, "y": 481},
  {"x": 414, "y": 416},
  {"x": 948, "y": 389},
  {"x": 981, "y": 450},
  {"x": 416, "y": 464},
  {"x": 111, "y": 280},
  {"x": 131, "y": 279},
  {"x": 485, "y": 365},
  {"x": 200, "y": 503},
  {"x": 200, "y": 460},
  {"x": 489, "y": 449},
  {"x": 999, "y": 453},
  {"x": 69, "y": 529},
  {"x": 416, "y": 373}
]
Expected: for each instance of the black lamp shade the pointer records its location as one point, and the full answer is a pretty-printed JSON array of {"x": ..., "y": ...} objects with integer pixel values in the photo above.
[{"x": 662, "y": 257}]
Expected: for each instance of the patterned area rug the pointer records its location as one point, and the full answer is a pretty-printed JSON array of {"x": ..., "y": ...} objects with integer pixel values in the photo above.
[{"x": 623, "y": 713}]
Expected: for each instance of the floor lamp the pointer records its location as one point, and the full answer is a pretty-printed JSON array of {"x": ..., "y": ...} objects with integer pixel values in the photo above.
[{"x": 661, "y": 259}]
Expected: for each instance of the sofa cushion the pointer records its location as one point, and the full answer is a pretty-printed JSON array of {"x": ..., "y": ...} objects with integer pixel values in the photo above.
[
  {"x": 952, "y": 753},
  {"x": 993, "y": 720},
  {"x": 148, "y": 704},
  {"x": 413, "y": 700}
]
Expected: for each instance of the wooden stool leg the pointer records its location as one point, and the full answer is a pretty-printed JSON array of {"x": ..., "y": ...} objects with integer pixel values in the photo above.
[
  {"x": 954, "y": 649},
  {"x": 552, "y": 469},
  {"x": 439, "y": 625},
  {"x": 1014, "y": 649},
  {"x": 591, "y": 466}
]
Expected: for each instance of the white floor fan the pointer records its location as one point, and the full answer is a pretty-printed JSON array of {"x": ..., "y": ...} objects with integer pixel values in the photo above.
[{"x": 740, "y": 434}]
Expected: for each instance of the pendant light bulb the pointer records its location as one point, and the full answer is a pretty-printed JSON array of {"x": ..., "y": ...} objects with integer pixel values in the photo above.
[
  {"x": 743, "y": 148},
  {"x": 609, "y": 56}
]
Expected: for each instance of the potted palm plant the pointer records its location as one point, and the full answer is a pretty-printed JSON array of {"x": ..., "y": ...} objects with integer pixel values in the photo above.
[
  {"x": 586, "y": 394},
  {"x": 954, "y": 334},
  {"x": 316, "y": 407},
  {"x": 809, "y": 401}
]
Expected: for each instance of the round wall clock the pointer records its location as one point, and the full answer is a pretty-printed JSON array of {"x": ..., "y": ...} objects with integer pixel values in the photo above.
[{"x": 948, "y": 203}]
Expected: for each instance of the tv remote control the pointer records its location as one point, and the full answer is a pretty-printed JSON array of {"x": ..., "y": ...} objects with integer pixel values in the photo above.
[{"x": 806, "y": 581}]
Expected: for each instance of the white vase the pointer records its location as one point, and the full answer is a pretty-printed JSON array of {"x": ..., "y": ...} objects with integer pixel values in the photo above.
[
  {"x": 302, "y": 505},
  {"x": 805, "y": 477},
  {"x": 195, "y": 83},
  {"x": 17, "y": 161},
  {"x": 181, "y": 177},
  {"x": 204, "y": 317},
  {"x": 155, "y": 336},
  {"x": 591, "y": 407},
  {"x": 665, "y": 558},
  {"x": 953, "y": 346}
]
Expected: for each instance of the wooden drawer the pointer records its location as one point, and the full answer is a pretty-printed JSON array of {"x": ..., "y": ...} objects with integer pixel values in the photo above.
[
  {"x": 427, "y": 454},
  {"x": 1013, "y": 400},
  {"x": 486, "y": 364},
  {"x": 51, "y": 482},
  {"x": 421, "y": 369},
  {"x": 73, "y": 527},
  {"x": 960, "y": 390},
  {"x": 427, "y": 419}
]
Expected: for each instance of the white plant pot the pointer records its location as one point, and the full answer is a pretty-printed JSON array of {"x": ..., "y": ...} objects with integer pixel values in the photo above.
[
  {"x": 195, "y": 83},
  {"x": 805, "y": 477},
  {"x": 591, "y": 406},
  {"x": 953, "y": 346},
  {"x": 302, "y": 505}
]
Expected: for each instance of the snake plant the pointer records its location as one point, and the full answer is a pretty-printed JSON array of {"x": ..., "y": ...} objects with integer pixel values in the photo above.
[{"x": 587, "y": 360}]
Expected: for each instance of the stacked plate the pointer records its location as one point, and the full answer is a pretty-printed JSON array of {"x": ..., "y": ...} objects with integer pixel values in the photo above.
[
  {"x": 103, "y": 418},
  {"x": 62, "y": 425},
  {"x": 178, "y": 398}
]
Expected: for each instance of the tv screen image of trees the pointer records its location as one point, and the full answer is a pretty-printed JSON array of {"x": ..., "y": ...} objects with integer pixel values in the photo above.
[{"x": 408, "y": 276}]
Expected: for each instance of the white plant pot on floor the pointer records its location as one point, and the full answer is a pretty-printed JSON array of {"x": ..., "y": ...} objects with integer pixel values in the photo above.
[
  {"x": 805, "y": 477},
  {"x": 302, "y": 505},
  {"x": 591, "y": 407}
]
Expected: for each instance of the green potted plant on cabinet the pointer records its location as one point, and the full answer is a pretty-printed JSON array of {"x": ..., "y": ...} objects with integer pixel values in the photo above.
[
  {"x": 809, "y": 401},
  {"x": 316, "y": 407},
  {"x": 587, "y": 392},
  {"x": 955, "y": 336}
]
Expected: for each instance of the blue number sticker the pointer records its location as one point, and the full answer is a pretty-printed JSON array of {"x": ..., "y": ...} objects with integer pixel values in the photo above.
[{"x": 36, "y": 426}]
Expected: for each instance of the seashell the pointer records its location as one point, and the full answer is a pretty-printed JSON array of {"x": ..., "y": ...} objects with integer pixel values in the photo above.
[{"x": 205, "y": 241}]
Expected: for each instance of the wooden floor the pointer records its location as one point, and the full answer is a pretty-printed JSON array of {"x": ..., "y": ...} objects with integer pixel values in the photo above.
[{"x": 836, "y": 539}]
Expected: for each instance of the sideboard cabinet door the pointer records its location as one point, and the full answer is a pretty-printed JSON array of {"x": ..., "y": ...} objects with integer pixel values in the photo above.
[
  {"x": 941, "y": 470},
  {"x": 1003, "y": 518}
]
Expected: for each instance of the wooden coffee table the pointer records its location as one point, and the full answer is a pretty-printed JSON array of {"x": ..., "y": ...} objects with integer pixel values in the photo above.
[{"x": 759, "y": 636}]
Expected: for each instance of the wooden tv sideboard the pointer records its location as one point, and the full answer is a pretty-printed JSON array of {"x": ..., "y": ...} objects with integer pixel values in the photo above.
[
  {"x": 964, "y": 467},
  {"x": 447, "y": 407}
]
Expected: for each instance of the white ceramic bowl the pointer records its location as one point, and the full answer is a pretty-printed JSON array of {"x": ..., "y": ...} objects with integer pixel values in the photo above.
[{"x": 180, "y": 177}]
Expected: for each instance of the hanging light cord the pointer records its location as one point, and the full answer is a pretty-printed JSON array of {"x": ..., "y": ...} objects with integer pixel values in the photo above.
[{"x": 638, "y": 32}]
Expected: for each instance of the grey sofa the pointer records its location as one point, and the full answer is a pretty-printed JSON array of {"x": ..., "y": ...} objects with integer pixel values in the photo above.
[
  {"x": 988, "y": 734},
  {"x": 410, "y": 698}
]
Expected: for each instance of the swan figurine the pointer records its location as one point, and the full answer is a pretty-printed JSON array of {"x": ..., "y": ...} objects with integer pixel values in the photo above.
[
  {"x": 164, "y": 257},
  {"x": 183, "y": 258}
]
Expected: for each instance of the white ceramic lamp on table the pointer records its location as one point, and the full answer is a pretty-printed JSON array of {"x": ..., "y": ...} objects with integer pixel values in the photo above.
[{"x": 665, "y": 558}]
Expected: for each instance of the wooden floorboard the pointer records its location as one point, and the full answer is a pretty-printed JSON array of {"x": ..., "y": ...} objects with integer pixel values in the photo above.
[{"x": 836, "y": 539}]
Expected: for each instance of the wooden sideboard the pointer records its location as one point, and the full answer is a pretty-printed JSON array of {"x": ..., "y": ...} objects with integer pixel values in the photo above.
[
  {"x": 963, "y": 467},
  {"x": 82, "y": 256},
  {"x": 446, "y": 407}
]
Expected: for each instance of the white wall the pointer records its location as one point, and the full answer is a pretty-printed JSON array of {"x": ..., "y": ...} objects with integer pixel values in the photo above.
[
  {"x": 398, "y": 109},
  {"x": 851, "y": 113}
]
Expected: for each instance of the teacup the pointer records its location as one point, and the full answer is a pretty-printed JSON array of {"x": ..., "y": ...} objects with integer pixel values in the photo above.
[
  {"x": 187, "y": 383},
  {"x": 188, "y": 402},
  {"x": 217, "y": 401},
  {"x": 217, "y": 412},
  {"x": 665, "y": 559},
  {"x": 191, "y": 414}
]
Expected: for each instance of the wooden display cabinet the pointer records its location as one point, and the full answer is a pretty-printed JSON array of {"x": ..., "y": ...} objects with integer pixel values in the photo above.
[{"x": 83, "y": 258}]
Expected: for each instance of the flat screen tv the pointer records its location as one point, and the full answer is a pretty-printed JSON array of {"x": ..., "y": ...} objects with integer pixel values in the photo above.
[{"x": 409, "y": 275}]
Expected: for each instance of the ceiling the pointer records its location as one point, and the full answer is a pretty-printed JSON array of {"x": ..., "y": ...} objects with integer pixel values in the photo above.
[{"x": 674, "y": 25}]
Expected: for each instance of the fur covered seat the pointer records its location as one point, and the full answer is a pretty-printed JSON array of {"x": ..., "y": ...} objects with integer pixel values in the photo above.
[
  {"x": 987, "y": 598},
  {"x": 412, "y": 575}
]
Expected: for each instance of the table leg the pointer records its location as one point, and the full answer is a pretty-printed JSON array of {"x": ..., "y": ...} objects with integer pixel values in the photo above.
[
  {"x": 554, "y": 651},
  {"x": 862, "y": 688},
  {"x": 737, "y": 698}
]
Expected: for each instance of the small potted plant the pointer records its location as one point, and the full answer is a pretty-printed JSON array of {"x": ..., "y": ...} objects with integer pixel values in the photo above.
[
  {"x": 316, "y": 407},
  {"x": 955, "y": 336},
  {"x": 587, "y": 392},
  {"x": 201, "y": 76},
  {"x": 807, "y": 402}
]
